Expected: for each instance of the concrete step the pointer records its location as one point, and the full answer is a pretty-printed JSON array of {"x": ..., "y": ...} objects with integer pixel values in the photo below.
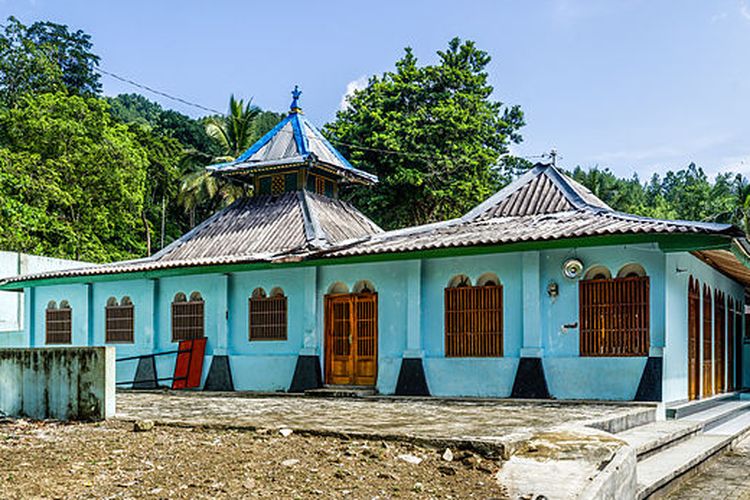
[
  {"x": 686, "y": 408},
  {"x": 659, "y": 470},
  {"x": 719, "y": 414},
  {"x": 662, "y": 468},
  {"x": 342, "y": 391},
  {"x": 655, "y": 437}
]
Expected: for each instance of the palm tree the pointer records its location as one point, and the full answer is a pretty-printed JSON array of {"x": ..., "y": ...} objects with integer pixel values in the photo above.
[{"x": 234, "y": 133}]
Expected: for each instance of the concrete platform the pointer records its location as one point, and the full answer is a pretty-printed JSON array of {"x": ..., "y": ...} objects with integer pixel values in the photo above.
[{"x": 717, "y": 415}]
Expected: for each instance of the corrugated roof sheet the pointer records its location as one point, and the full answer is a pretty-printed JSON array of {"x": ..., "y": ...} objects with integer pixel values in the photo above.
[
  {"x": 542, "y": 205},
  {"x": 258, "y": 229}
]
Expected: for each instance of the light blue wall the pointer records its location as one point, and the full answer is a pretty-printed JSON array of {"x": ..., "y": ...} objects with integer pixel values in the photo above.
[
  {"x": 679, "y": 268},
  {"x": 570, "y": 376},
  {"x": 471, "y": 376},
  {"x": 411, "y": 316},
  {"x": 265, "y": 365}
]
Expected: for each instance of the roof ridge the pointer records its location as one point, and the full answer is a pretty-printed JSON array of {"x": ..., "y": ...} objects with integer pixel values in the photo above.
[
  {"x": 314, "y": 233},
  {"x": 566, "y": 192}
]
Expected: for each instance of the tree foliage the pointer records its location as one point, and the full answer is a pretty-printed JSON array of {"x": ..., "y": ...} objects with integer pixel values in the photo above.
[
  {"x": 71, "y": 180},
  {"x": 431, "y": 133},
  {"x": 45, "y": 57},
  {"x": 686, "y": 194}
]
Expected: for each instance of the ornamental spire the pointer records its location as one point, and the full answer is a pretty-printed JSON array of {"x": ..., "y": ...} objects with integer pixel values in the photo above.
[{"x": 294, "y": 107}]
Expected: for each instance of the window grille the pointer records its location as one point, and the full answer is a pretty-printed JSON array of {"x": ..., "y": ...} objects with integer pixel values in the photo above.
[
  {"x": 614, "y": 316},
  {"x": 474, "y": 321},
  {"x": 187, "y": 319},
  {"x": 58, "y": 325},
  {"x": 267, "y": 318},
  {"x": 119, "y": 323}
]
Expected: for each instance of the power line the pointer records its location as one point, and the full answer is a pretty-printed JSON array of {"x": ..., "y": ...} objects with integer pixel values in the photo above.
[{"x": 158, "y": 92}]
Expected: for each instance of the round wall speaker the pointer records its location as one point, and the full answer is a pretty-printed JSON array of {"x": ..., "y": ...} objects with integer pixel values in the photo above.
[{"x": 572, "y": 269}]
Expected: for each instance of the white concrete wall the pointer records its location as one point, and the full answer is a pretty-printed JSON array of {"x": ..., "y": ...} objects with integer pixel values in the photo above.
[
  {"x": 75, "y": 383},
  {"x": 11, "y": 303}
]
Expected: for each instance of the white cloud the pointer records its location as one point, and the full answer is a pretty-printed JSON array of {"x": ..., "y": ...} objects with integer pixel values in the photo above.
[
  {"x": 351, "y": 87},
  {"x": 719, "y": 16},
  {"x": 745, "y": 9}
]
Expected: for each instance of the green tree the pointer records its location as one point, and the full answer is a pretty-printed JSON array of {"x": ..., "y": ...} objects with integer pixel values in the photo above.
[
  {"x": 235, "y": 132},
  {"x": 71, "y": 180},
  {"x": 45, "y": 57},
  {"x": 431, "y": 133},
  {"x": 202, "y": 193}
]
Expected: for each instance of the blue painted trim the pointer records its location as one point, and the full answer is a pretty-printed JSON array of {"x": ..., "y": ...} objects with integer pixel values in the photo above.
[
  {"x": 262, "y": 141},
  {"x": 300, "y": 138},
  {"x": 330, "y": 147}
]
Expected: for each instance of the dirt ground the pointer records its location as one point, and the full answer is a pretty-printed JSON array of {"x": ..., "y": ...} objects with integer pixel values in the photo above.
[{"x": 111, "y": 460}]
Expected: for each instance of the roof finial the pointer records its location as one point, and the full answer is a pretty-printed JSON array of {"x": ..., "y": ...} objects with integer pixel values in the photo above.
[{"x": 294, "y": 107}]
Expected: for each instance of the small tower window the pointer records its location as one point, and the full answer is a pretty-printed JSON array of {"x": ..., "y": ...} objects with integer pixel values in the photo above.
[{"x": 277, "y": 185}]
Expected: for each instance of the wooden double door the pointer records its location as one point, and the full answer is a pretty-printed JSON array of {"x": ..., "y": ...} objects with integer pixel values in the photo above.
[{"x": 351, "y": 339}]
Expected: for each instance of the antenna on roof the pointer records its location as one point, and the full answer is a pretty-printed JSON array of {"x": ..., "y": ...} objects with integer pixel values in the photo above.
[{"x": 553, "y": 155}]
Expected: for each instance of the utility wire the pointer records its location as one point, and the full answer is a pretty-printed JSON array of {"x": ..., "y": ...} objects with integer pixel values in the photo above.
[{"x": 158, "y": 92}]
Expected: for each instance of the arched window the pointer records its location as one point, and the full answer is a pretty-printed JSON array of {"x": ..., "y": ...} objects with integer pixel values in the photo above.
[
  {"x": 187, "y": 317},
  {"x": 631, "y": 271},
  {"x": 58, "y": 323},
  {"x": 474, "y": 317},
  {"x": 364, "y": 286},
  {"x": 118, "y": 321},
  {"x": 267, "y": 316},
  {"x": 614, "y": 314},
  {"x": 598, "y": 272},
  {"x": 488, "y": 279},
  {"x": 459, "y": 280},
  {"x": 338, "y": 288}
]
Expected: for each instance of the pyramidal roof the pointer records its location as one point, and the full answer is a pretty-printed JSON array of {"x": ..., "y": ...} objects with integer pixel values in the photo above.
[
  {"x": 293, "y": 141},
  {"x": 541, "y": 190},
  {"x": 543, "y": 204}
]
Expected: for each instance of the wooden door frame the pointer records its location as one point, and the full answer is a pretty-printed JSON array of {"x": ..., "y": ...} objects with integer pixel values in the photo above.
[
  {"x": 327, "y": 331},
  {"x": 694, "y": 340}
]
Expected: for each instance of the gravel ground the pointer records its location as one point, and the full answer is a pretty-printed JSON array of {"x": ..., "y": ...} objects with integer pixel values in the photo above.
[{"x": 110, "y": 460}]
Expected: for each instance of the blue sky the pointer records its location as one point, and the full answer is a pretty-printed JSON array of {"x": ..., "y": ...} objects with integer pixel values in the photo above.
[{"x": 637, "y": 86}]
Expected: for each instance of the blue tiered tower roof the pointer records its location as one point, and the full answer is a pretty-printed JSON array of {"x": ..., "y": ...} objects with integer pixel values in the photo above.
[{"x": 296, "y": 150}]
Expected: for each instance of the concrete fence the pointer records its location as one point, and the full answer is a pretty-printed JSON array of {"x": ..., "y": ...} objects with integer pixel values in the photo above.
[{"x": 76, "y": 383}]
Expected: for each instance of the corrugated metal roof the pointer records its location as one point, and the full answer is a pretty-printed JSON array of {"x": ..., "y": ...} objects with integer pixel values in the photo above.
[
  {"x": 542, "y": 205},
  {"x": 258, "y": 229}
]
